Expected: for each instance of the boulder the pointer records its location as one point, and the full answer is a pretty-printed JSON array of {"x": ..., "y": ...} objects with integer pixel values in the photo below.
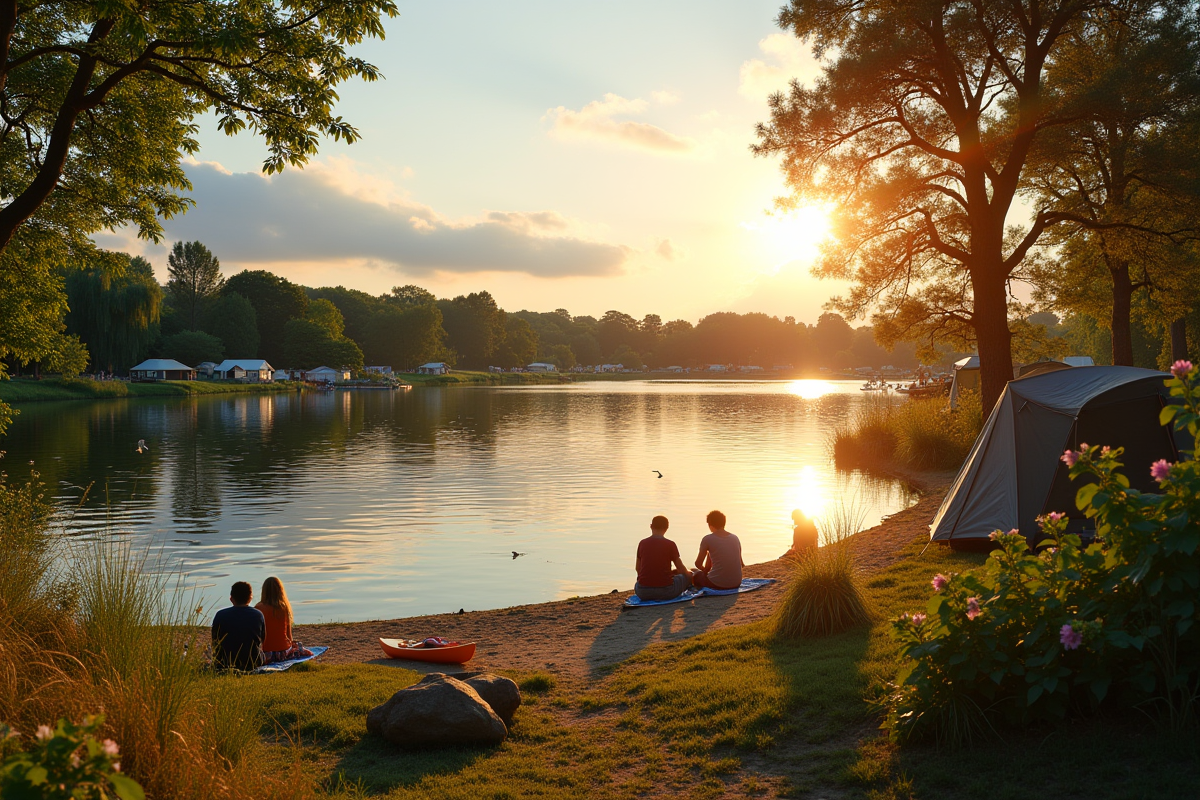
[
  {"x": 439, "y": 711},
  {"x": 500, "y": 693}
]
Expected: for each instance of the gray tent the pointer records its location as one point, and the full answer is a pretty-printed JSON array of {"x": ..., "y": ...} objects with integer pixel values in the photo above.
[{"x": 1013, "y": 473}]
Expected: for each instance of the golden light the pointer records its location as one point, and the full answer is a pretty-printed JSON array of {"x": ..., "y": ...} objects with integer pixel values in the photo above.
[
  {"x": 796, "y": 235},
  {"x": 810, "y": 389},
  {"x": 807, "y": 494}
]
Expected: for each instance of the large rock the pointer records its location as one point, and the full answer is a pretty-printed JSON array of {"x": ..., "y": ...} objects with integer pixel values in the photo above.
[
  {"x": 437, "y": 712},
  {"x": 500, "y": 693}
]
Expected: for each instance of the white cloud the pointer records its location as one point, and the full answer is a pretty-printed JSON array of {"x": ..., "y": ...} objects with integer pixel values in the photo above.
[
  {"x": 786, "y": 58},
  {"x": 666, "y": 97},
  {"x": 669, "y": 250},
  {"x": 333, "y": 212},
  {"x": 596, "y": 121}
]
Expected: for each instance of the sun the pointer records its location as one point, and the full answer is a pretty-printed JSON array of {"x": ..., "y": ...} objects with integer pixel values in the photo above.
[
  {"x": 810, "y": 389},
  {"x": 796, "y": 235}
]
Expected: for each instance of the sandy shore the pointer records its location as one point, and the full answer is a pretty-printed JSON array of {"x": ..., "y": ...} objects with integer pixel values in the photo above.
[{"x": 576, "y": 638}]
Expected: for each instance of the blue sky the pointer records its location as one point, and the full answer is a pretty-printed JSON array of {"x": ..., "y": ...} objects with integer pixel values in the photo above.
[{"x": 578, "y": 155}]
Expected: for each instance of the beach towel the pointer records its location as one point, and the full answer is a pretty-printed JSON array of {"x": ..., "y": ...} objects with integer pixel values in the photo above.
[
  {"x": 280, "y": 666},
  {"x": 747, "y": 585}
]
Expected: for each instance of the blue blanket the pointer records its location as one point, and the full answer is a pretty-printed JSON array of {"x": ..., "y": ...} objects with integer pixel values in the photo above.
[
  {"x": 280, "y": 666},
  {"x": 748, "y": 585}
]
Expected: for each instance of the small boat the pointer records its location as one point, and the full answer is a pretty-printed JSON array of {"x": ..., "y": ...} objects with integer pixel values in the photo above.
[{"x": 414, "y": 650}]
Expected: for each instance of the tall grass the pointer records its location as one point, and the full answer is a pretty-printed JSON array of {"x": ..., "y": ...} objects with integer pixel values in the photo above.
[
  {"x": 917, "y": 434},
  {"x": 824, "y": 596},
  {"x": 94, "y": 626}
]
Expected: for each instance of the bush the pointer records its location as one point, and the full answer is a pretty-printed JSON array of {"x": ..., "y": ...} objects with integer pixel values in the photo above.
[
  {"x": 917, "y": 434},
  {"x": 824, "y": 596},
  {"x": 1036, "y": 635},
  {"x": 67, "y": 761}
]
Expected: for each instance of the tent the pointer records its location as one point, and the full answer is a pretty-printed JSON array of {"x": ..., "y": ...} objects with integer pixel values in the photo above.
[
  {"x": 1013, "y": 473},
  {"x": 966, "y": 378}
]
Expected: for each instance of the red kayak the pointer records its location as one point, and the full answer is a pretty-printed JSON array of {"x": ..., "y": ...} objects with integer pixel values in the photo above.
[{"x": 414, "y": 650}]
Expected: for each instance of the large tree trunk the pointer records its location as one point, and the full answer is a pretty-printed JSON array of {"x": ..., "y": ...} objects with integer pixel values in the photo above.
[
  {"x": 1179, "y": 348},
  {"x": 990, "y": 321},
  {"x": 1122, "y": 333}
]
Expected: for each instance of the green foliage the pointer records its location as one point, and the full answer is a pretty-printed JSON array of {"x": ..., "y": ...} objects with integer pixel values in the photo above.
[
  {"x": 626, "y": 357},
  {"x": 1035, "y": 635},
  {"x": 32, "y": 296},
  {"x": 66, "y": 763},
  {"x": 474, "y": 327},
  {"x": 192, "y": 347},
  {"x": 231, "y": 319},
  {"x": 308, "y": 344},
  {"x": 561, "y": 356},
  {"x": 115, "y": 310},
  {"x": 326, "y": 314},
  {"x": 68, "y": 356},
  {"x": 917, "y": 434},
  {"x": 520, "y": 345},
  {"x": 823, "y": 596},
  {"x": 405, "y": 337},
  {"x": 276, "y": 302},
  {"x": 195, "y": 277}
]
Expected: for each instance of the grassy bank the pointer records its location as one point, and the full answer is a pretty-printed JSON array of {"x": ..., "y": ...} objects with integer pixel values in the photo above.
[
  {"x": 468, "y": 378},
  {"x": 25, "y": 390},
  {"x": 908, "y": 434},
  {"x": 733, "y": 713}
]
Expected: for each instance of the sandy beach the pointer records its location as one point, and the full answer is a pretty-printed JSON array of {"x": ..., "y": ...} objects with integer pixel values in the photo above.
[{"x": 577, "y": 638}]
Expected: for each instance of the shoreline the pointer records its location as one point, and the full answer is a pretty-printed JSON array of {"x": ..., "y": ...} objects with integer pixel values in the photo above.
[
  {"x": 579, "y": 638},
  {"x": 21, "y": 391}
]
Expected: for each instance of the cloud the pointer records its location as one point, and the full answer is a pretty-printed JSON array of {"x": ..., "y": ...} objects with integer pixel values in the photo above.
[
  {"x": 669, "y": 250},
  {"x": 332, "y": 212},
  {"x": 786, "y": 58},
  {"x": 595, "y": 121},
  {"x": 665, "y": 97}
]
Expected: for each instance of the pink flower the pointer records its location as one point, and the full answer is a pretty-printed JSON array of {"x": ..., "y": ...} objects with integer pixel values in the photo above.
[
  {"x": 75, "y": 762},
  {"x": 939, "y": 582},
  {"x": 973, "y": 610},
  {"x": 1070, "y": 638},
  {"x": 1055, "y": 516},
  {"x": 44, "y": 732},
  {"x": 110, "y": 748},
  {"x": 918, "y": 620},
  {"x": 1083, "y": 447},
  {"x": 1181, "y": 369},
  {"x": 994, "y": 535},
  {"x": 1160, "y": 470},
  {"x": 116, "y": 766},
  {"x": 1069, "y": 457},
  {"x": 1105, "y": 450}
]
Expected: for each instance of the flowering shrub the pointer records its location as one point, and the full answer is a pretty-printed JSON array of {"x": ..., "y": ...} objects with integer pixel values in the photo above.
[
  {"x": 1036, "y": 634},
  {"x": 66, "y": 762}
]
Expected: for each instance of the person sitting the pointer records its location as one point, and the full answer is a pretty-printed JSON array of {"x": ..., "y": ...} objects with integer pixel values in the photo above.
[
  {"x": 278, "y": 644},
  {"x": 719, "y": 564},
  {"x": 656, "y": 555},
  {"x": 805, "y": 539},
  {"x": 238, "y": 632}
]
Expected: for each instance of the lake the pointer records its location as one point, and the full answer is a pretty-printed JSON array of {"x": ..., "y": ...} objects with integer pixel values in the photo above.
[{"x": 375, "y": 505}]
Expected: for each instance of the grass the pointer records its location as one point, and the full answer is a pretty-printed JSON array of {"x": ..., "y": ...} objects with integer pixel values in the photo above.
[
  {"x": 468, "y": 378},
  {"x": 26, "y": 390},
  {"x": 914, "y": 434}
]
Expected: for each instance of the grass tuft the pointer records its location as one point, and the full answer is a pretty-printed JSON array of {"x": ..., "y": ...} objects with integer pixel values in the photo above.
[
  {"x": 917, "y": 434},
  {"x": 537, "y": 683}
]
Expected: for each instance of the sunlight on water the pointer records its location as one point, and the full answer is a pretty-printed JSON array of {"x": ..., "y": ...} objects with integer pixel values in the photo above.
[{"x": 374, "y": 505}]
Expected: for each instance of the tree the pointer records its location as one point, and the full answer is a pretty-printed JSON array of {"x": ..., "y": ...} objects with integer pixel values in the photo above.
[
  {"x": 357, "y": 308},
  {"x": 832, "y": 335},
  {"x": 410, "y": 295},
  {"x": 276, "y": 301},
  {"x": 627, "y": 358},
  {"x": 615, "y": 330},
  {"x": 308, "y": 344},
  {"x": 193, "y": 347},
  {"x": 115, "y": 304},
  {"x": 475, "y": 327},
  {"x": 195, "y": 277},
  {"x": 67, "y": 356},
  {"x": 326, "y": 314},
  {"x": 231, "y": 319},
  {"x": 404, "y": 338},
  {"x": 561, "y": 356},
  {"x": 1122, "y": 168},
  {"x": 102, "y": 95},
  {"x": 520, "y": 345},
  {"x": 918, "y": 131}
]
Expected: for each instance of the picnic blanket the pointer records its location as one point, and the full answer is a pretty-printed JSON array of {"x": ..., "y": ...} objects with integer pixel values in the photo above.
[
  {"x": 747, "y": 585},
  {"x": 280, "y": 666}
]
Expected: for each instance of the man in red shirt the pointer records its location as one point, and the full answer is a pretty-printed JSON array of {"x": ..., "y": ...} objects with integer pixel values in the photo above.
[{"x": 660, "y": 571}]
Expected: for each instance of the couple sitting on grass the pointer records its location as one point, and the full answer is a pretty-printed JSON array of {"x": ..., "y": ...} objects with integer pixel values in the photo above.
[
  {"x": 246, "y": 638},
  {"x": 660, "y": 571}
]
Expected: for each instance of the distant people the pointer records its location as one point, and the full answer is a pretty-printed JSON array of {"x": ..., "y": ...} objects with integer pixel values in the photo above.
[
  {"x": 719, "y": 564},
  {"x": 661, "y": 574},
  {"x": 805, "y": 538},
  {"x": 238, "y": 632},
  {"x": 278, "y": 644}
]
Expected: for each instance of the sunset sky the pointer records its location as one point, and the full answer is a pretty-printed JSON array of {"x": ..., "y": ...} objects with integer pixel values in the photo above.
[{"x": 583, "y": 156}]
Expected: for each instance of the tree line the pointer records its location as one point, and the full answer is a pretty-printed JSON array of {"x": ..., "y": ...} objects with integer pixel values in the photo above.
[{"x": 121, "y": 315}]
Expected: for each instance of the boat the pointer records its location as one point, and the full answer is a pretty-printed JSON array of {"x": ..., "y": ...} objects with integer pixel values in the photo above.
[{"x": 413, "y": 650}]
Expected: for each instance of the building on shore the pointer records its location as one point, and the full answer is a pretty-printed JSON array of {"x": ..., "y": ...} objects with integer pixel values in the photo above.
[
  {"x": 379, "y": 370},
  {"x": 540, "y": 366},
  {"x": 434, "y": 368},
  {"x": 247, "y": 370},
  {"x": 326, "y": 375},
  {"x": 162, "y": 369},
  {"x": 205, "y": 369}
]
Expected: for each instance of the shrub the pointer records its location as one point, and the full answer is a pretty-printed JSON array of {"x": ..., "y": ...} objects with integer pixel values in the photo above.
[
  {"x": 824, "y": 596},
  {"x": 66, "y": 762},
  {"x": 917, "y": 434},
  {"x": 1035, "y": 635}
]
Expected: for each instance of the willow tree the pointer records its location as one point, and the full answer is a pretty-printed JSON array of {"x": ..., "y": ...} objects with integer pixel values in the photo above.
[
  {"x": 917, "y": 132},
  {"x": 115, "y": 306},
  {"x": 1123, "y": 168}
]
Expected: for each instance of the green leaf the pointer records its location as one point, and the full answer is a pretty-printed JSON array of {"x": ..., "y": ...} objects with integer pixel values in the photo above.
[
  {"x": 126, "y": 788},
  {"x": 1034, "y": 693},
  {"x": 1100, "y": 688}
]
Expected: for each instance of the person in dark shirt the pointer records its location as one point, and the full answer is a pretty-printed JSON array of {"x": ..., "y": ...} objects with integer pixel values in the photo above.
[
  {"x": 238, "y": 632},
  {"x": 660, "y": 571}
]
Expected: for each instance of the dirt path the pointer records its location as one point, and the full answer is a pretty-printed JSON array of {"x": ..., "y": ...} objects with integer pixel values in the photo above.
[{"x": 575, "y": 638}]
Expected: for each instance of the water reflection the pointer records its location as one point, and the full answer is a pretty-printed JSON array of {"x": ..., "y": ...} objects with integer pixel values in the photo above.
[{"x": 376, "y": 504}]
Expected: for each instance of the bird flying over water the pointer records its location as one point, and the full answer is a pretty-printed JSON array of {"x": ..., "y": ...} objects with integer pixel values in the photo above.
[
  {"x": 142, "y": 448},
  {"x": 656, "y": 472},
  {"x": 516, "y": 555}
]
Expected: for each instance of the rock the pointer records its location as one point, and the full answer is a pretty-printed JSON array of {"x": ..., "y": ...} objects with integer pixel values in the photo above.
[
  {"x": 500, "y": 693},
  {"x": 438, "y": 711}
]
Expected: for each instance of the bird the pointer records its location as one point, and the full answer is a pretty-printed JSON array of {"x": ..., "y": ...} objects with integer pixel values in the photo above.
[
  {"x": 142, "y": 448},
  {"x": 516, "y": 555},
  {"x": 656, "y": 472}
]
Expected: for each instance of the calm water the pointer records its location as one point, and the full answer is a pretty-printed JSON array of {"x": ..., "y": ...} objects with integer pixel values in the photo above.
[{"x": 383, "y": 504}]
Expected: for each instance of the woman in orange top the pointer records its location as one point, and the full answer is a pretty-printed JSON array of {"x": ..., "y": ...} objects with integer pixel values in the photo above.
[{"x": 278, "y": 644}]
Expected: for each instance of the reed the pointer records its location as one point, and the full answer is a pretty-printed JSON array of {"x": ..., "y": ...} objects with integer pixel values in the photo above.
[{"x": 917, "y": 434}]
